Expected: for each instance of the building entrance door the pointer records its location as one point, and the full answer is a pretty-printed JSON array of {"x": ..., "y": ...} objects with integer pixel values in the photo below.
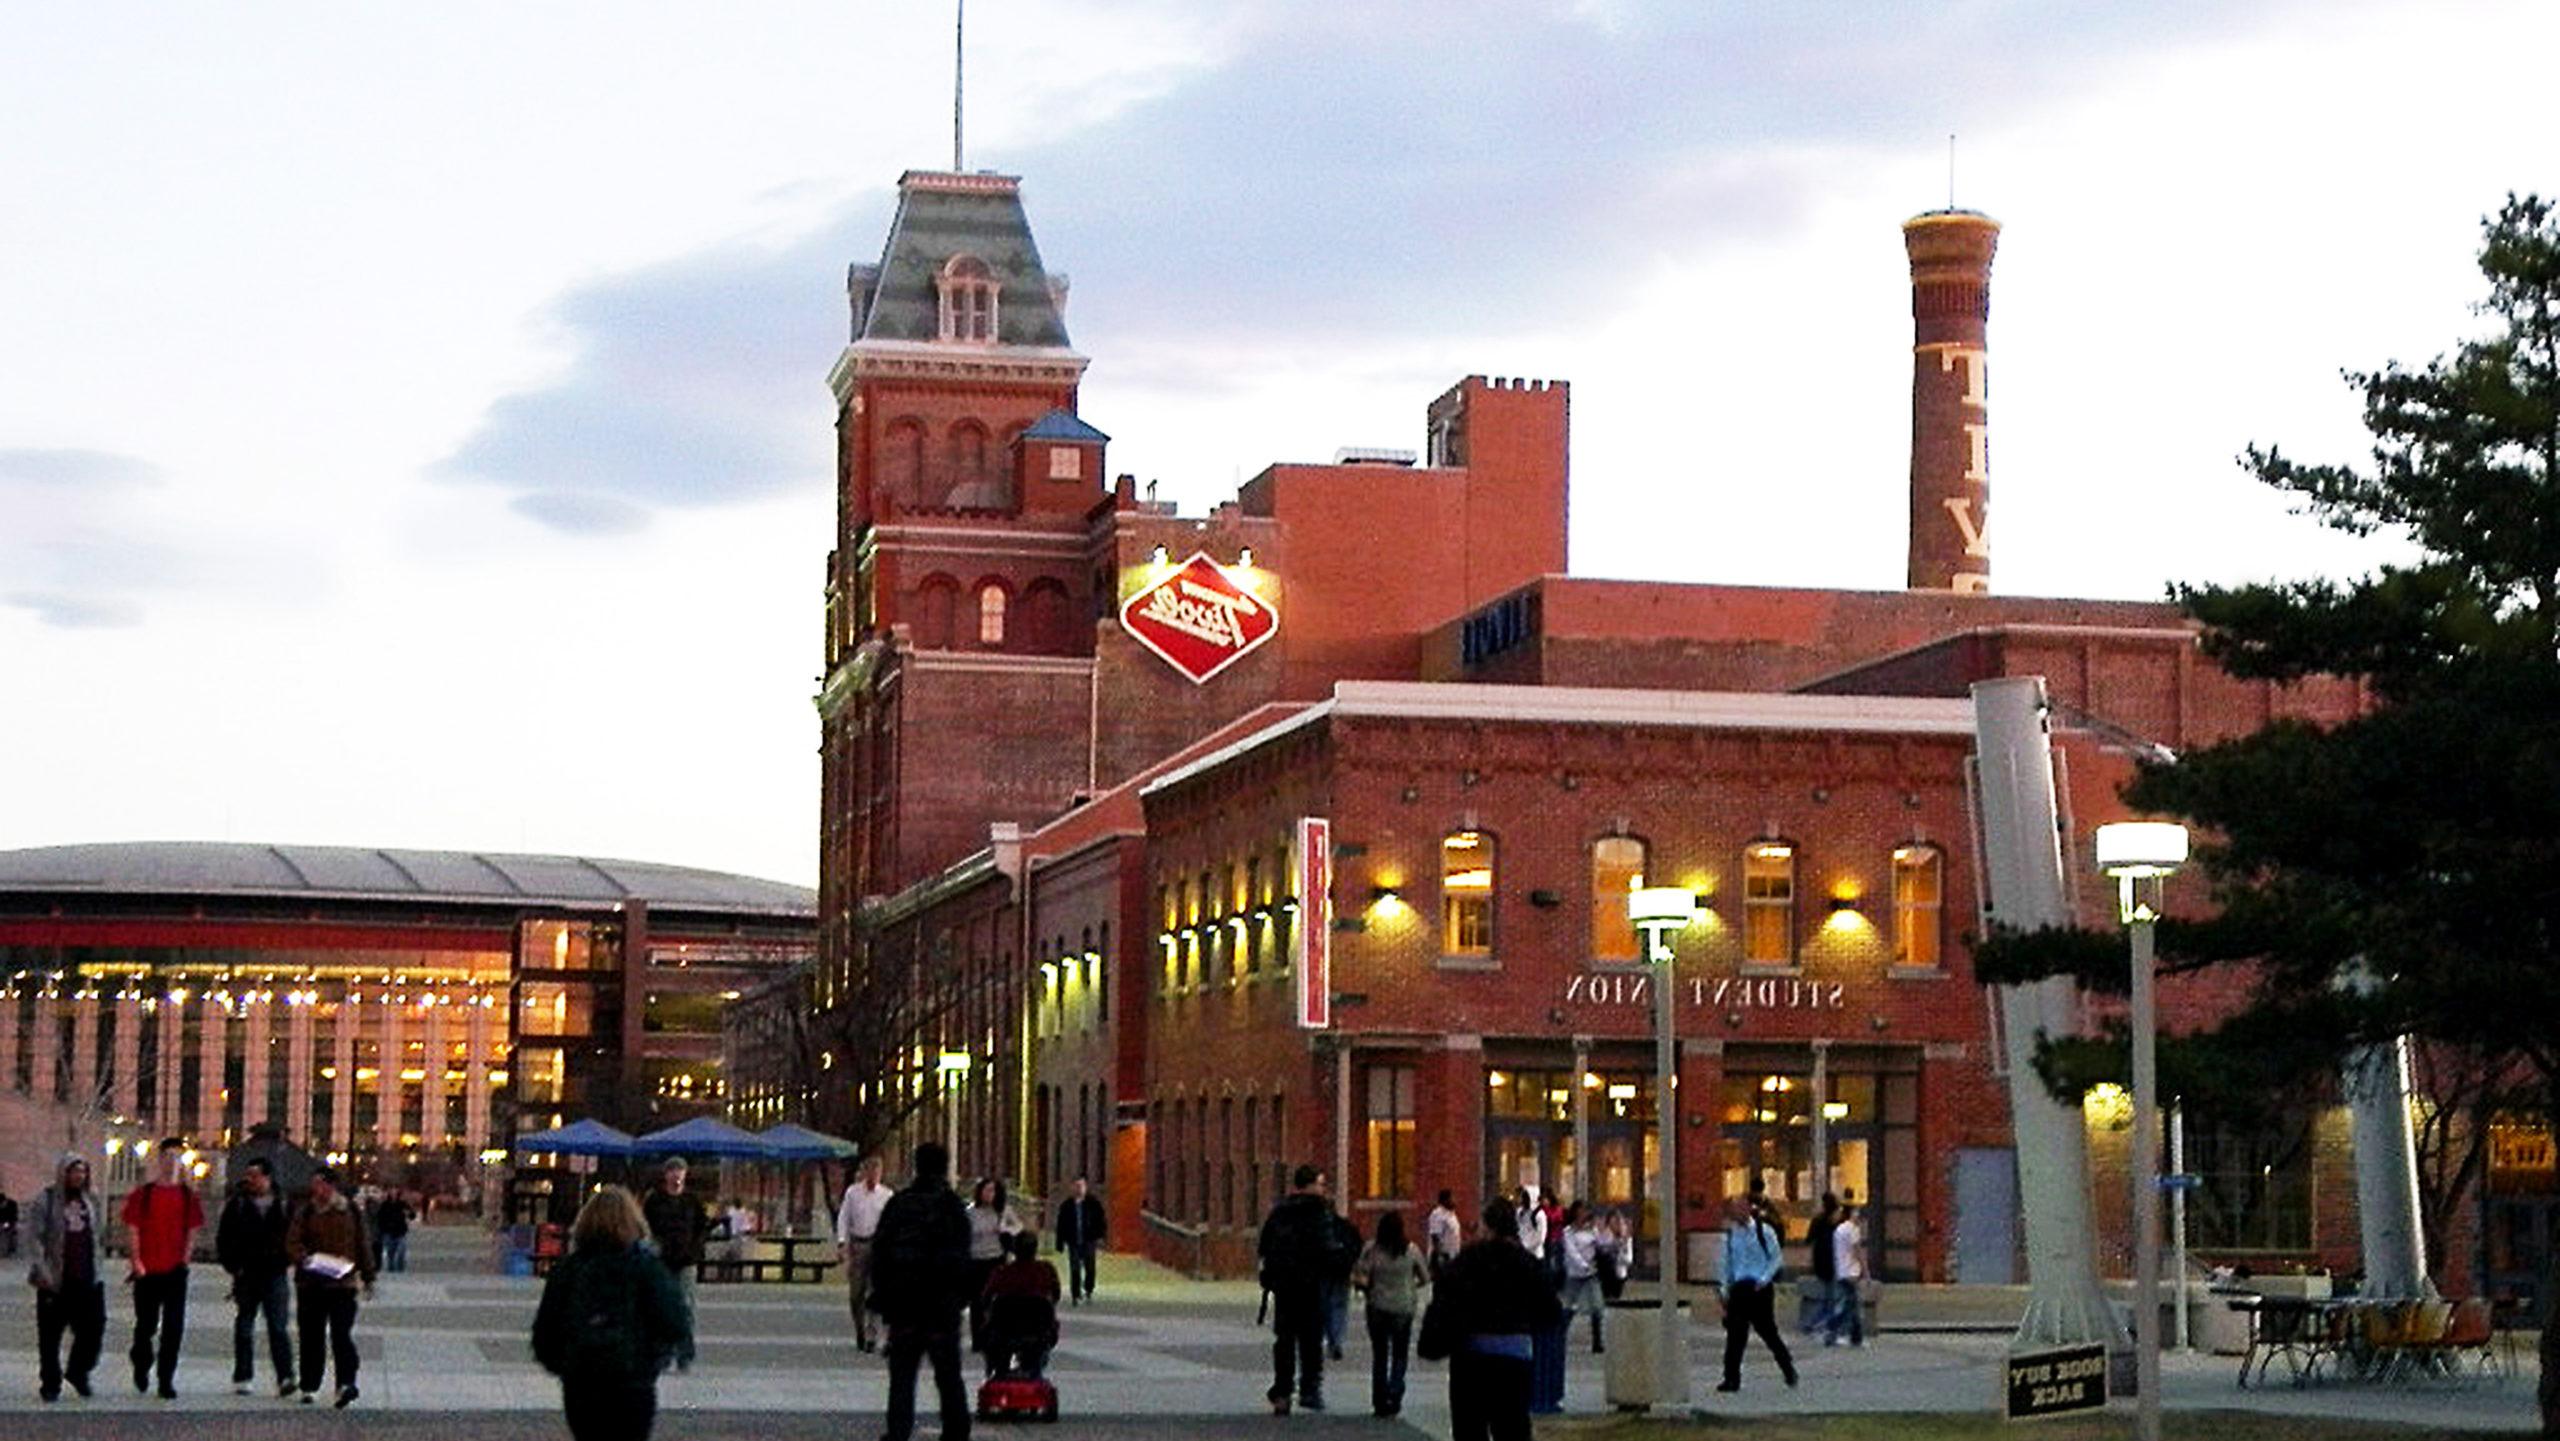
[{"x": 1530, "y": 1133}]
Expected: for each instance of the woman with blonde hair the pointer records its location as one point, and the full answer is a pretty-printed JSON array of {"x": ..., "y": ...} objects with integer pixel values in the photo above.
[{"x": 610, "y": 1318}]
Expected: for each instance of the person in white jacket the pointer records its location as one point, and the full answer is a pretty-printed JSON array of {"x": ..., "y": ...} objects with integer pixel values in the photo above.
[
  {"x": 1848, "y": 1268},
  {"x": 857, "y": 1217}
]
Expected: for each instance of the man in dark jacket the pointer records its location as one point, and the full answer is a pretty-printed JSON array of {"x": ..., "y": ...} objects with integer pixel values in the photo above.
[
  {"x": 249, "y": 1242},
  {"x": 1299, "y": 1248},
  {"x": 1492, "y": 1302},
  {"x": 920, "y": 1286},
  {"x": 1080, "y": 1234},
  {"x": 679, "y": 1225}
]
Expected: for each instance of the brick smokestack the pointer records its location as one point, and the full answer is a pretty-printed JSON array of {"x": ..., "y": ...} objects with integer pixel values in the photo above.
[{"x": 1950, "y": 398}]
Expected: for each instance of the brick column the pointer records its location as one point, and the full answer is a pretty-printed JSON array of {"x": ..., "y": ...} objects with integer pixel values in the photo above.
[
  {"x": 475, "y": 1073},
  {"x": 44, "y": 1057},
  {"x": 168, "y": 1117},
  {"x": 1694, "y": 1117},
  {"x": 84, "y": 1048},
  {"x": 8, "y": 1039},
  {"x": 1449, "y": 1115},
  {"x": 431, "y": 1097},
  {"x": 389, "y": 1092},
  {"x": 213, "y": 1037},
  {"x": 342, "y": 1054},
  {"x": 257, "y": 1032},
  {"x": 301, "y": 1067},
  {"x": 1950, "y": 252},
  {"x": 126, "y": 1083}
]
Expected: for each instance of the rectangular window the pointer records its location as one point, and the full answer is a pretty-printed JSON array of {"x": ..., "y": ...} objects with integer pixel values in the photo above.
[
  {"x": 1066, "y": 463},
  {"x": 1466, "y": 894},
  {"x": 553, "y": 1008},
  {"x": 1390, "y": 1134},
  {"x": 1617, "y": 867},
  {"x": 1919, "y": 904},
  {"x": 1769, "y": 904}
]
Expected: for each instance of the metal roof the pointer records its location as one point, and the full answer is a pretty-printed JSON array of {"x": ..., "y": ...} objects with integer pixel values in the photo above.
[
  {"x": 942, "y": 215},
  {"x": 223, "y": 868}
]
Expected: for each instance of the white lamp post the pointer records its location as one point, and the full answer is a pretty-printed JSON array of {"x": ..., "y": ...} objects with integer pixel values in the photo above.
[
  {"x": 1661, "y": 912},
  {"x": 2135, "y": 852},
  {"x": 951, "y": 1066}
]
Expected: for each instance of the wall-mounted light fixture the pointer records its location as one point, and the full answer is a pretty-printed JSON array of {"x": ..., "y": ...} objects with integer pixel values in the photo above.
[{"x": 1159, "y": 556}]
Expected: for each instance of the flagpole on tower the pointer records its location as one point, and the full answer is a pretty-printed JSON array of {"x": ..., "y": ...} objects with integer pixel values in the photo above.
[{"x": 959, "y": 30}]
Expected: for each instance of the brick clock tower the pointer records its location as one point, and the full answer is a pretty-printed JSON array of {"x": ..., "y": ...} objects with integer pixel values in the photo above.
[{"x": 960, "y": 595}]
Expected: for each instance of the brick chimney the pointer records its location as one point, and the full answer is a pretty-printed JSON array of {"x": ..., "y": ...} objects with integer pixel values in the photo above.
[{"x": 1950, "y": 398}]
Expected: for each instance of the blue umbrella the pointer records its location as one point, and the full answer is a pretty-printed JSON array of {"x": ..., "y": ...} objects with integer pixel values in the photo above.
[
  {"x": 581, "y": 1138},
  {"x": 702, "y": 1136},
  {"x": 791, "y": 1141}
]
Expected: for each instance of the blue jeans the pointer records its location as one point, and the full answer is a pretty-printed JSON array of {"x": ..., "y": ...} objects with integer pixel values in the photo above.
[
  {"x": 1845, "y": 1311},
  {"x": 251, "y": 1297},
  {"x": 395, "y": 1252}
]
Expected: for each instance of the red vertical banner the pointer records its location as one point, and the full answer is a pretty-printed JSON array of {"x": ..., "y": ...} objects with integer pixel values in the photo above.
[{"x": 1311, "y": 945}]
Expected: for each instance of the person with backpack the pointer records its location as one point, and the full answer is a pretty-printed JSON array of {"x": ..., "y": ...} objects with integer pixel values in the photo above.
[
  {"x": 249, "y": 1242},
  {"x": 610, "y": 1317},
  {"x": 331, "y": 1256},
  {"x": 1391, "y": 1274},
  {"x": 1750, "y": 1277},
  {"x": 1299, "y": 1248},
  {"x": 920, "y": 1285},
  {"x": 161, "y": 1218},
  {"x": 65, "y": 1246}
]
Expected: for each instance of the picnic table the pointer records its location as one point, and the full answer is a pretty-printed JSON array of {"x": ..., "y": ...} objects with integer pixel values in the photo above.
[
  {"x": 2394, "y": 1342},
  {"x": 786, "y": 1263}
]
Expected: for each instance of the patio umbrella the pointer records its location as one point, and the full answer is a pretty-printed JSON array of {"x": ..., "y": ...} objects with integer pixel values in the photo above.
[
  {"x": 702, "y": 1136},
  {"x": 579, "y": 1138},
  {"x": 793, "y": 1142}
]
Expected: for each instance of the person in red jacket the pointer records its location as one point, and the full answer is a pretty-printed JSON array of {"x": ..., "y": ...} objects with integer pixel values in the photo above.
[{"x": 161, "y": 1218}]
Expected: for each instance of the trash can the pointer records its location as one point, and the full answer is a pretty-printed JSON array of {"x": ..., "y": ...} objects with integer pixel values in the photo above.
[{"x": 1635, "y": 1330}]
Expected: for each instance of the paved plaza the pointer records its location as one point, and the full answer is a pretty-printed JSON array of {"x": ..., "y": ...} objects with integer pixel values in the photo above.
[{"x": 445, "y": 1357}]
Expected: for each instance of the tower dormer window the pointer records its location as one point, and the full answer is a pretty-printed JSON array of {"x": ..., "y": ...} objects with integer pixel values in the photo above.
[{"x": 968, "y": 300}]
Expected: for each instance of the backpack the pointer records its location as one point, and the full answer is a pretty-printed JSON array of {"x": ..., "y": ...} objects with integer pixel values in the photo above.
[{"x": 605, "y": 1338}]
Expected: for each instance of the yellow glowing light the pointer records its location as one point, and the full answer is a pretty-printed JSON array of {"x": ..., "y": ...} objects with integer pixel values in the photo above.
[
  {"x": 1497, "y": 1078},
  {"x": 1835, "y": 1110},
  {"x": 1623, "y": 1091},
  {"x": 1591, "y": 1080}
]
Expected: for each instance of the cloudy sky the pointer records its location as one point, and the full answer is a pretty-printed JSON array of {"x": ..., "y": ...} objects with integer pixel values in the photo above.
[{"x": 415, "y": 430}]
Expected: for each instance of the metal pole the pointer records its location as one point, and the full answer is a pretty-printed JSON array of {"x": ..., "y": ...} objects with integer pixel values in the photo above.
[
  {"x": 1821, "y": 1119},
  {"x": 2146, "y": 1176},
  {"x": 951, "y": 1121},
  {"x": 1668, "y": 1382},
  {"x": 2178, "y": 1219}
]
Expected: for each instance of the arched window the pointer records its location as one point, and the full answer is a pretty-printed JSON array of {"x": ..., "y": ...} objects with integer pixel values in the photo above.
[
  {"x": 1466, "y": 894},
  {"x": 1047, "y": 616},
  {"x": 1919, "y": 905},
  {"x": 1769, "y": 903},
  {"x": 901, "y": 476},
  {"x": 968, "y": 290},
  {"x": 937, "y": 598},
  {"x": 1617, "y": 867},
  {"x": 991, "y": 614}
]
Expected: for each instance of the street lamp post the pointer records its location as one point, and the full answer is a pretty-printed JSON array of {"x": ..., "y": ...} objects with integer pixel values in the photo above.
[
  {"x": 951, "y": 1066},
  {"x": 2135, "y": 852},
  {"x": 1661, "y": 912}
]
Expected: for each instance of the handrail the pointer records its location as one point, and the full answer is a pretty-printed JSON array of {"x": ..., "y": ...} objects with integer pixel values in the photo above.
[{"x": 1196, "y": 1237}]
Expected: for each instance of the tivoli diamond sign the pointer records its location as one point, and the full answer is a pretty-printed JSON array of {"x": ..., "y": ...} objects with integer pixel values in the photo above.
[{"x": 1200, "y": 621}]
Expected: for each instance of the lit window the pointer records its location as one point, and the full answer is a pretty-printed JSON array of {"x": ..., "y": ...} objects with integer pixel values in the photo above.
[
  {"x": 968, "y": 291},
  {"x": 1466, "y": 894},
  {"x": 1769, "y": 904},
  {"x": 1390, "y": 1172},
  {"x": 991, "y": 615},
  {"x": 1919, "y": 901},
  {"x": 1617, "y": 867}
]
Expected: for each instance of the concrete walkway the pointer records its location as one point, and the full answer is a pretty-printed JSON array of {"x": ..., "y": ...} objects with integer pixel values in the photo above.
[{"x": 449, "y": 1337}]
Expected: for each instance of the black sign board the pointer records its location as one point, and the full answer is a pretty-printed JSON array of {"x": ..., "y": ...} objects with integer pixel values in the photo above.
[{"x": 2056, "y": 1383}]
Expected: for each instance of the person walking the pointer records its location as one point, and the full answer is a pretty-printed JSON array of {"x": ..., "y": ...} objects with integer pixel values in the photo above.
[
  {"x": 1750, "y": 1269},
  {"x": 919, "y": 1285},
  {"x": 1443, "y": 1233},
  {"x": 332, "y": 1256},
  {"x": 1344, "y": 1254},
  {"x": 680, "y": 1228},
  {"x": 1533, "y": 1223},
  {"x": 1817, "y": 1248},
  {"x": 161, "y": 1219},
  {"x": 610, "y": 1317},
  {"x": 1297, "y": 1250},
  {"x": 1586, "y": 1248},
  {"x": 1486, "y": 1308},
  {"x": 391, "y": 1227},
  {"x": 249, "y": 1242},
  {"x": 991, "y": 1227},
  {"x": 1618, "y": 1256},
  {"x": 1848, "y": 1269},
  {"x": 1391, "y": 1274},
  {"x": 1082, "y": 1227},
  {"x": 63, "y": 1224},
  {"x": 857, "y": 1220}
]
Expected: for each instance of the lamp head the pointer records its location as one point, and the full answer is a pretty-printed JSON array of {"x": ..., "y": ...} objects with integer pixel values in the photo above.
[
  {"x": 1669, "y": 907},
  {"x": 2141, "y": 848}
]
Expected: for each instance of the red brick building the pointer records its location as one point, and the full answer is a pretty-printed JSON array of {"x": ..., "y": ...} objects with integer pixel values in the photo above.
[{"x": 1069, "y": 761}]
